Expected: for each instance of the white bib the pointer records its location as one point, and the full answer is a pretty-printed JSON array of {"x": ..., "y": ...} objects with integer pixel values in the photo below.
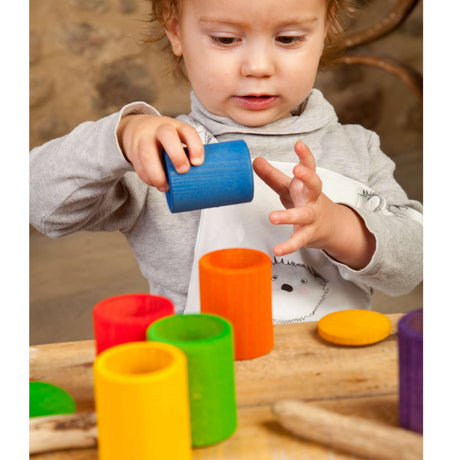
[{"x": 306, "y": 285}]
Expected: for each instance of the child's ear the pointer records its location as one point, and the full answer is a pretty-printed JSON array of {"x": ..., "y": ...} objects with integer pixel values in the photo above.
[{"x": 174, "y": 36}]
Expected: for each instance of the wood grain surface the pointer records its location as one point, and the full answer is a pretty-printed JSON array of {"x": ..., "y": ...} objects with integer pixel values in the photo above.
[{"x": 357, "y": 381}]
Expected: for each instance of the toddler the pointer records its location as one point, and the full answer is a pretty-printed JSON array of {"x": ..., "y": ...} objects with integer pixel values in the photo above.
[{"x": 345, "y": 226}]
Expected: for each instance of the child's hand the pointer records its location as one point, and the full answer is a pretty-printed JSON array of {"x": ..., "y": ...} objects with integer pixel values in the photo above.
[
  {"x": 307, "y": 208},
  {"x": 143, "y": 138},
  {"x": 318, "y": 222}
]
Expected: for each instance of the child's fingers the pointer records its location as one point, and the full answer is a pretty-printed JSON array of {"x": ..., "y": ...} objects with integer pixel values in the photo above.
[
  {"x": 300, "y": 218},
  {"x": 305, "y": 156},
  {"x": 168, "y": 139},
  {"x": 149, "y": 167},
  {"x": 295, "y": 216},
  {"x": 190, "y": 137},
  {"x": 273, "y": 177},
  {"x": 297, "y": 240},
  {"x": 310, "y": 180}
]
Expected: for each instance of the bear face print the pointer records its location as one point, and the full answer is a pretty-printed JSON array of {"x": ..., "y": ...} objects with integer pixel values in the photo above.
[{"x": 298, "y": 290}]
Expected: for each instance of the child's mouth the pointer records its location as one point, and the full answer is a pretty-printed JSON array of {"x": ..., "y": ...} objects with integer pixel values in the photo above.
[{"x": 256, "y": 101}]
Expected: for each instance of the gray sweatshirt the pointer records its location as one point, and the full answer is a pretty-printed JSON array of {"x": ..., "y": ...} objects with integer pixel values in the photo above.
[{"x": 82, "y": 181}]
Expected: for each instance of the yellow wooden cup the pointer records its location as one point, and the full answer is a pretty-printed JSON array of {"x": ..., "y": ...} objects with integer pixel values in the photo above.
[{"x": 142, "y": 403}]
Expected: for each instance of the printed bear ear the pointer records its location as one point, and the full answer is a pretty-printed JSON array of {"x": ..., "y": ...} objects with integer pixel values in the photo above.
[{"x": 280, "y": 261}]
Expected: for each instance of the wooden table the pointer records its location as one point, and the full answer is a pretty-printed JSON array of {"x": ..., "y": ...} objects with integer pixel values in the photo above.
[{"x": 360, "y": 381}]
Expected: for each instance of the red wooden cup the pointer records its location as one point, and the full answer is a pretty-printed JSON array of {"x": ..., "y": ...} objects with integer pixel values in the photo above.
[{"x": 125, "y": 318}]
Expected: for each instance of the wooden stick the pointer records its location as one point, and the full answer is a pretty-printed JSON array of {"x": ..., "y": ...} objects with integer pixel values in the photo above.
[
  {"x": 390, "y": 22},
  {"x": 354, "y": 435},
  {"x": 409, "y": 76},
  {"x": 59, "y": 432}
]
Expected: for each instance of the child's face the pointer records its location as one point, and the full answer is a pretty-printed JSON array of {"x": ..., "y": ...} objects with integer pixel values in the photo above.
[{"x": 250, "y": 60}]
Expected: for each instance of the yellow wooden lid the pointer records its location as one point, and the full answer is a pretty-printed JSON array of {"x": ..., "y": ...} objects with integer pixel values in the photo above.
[{"x": 354, "y": 327}]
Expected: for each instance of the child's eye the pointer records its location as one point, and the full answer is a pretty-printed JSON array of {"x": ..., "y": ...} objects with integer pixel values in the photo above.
[
  {"x": 224, "y": 41},
  {"x": 290, "y": 39}
]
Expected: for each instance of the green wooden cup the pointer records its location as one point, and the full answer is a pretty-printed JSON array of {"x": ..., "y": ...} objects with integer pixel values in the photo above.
[{"x": 207, "y": 341}]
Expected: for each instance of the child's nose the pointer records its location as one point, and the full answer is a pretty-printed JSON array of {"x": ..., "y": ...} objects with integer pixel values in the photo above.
[{"x": 258, "y": 62}]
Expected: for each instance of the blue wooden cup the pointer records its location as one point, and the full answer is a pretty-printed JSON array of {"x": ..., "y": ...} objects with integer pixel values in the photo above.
[{"x": 224, "y": 178}]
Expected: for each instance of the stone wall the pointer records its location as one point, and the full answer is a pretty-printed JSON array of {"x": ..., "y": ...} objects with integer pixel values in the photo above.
[{"x": 88, "y": 58}]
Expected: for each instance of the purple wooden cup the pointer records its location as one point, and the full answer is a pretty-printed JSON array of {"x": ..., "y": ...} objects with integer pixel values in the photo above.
[{"x": 410, "y": 345}]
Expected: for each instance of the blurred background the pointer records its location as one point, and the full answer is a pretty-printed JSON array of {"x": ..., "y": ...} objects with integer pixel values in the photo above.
[{"x": 88, "y": 58}]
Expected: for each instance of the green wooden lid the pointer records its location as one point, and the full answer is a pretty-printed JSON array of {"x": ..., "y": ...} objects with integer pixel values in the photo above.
[{"x": 48, "y": 399}]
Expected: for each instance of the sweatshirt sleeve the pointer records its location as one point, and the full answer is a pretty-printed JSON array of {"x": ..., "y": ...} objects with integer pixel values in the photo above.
[
  {"x": 397, "y": 264},
  {"x": 82, "y": 181}
]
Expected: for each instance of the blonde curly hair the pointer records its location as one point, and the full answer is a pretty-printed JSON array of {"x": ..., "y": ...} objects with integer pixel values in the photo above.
[{"x": 337, "y": 12}]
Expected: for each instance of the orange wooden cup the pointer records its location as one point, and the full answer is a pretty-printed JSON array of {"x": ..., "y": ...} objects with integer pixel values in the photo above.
[{"x": 236, "y": 284}]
